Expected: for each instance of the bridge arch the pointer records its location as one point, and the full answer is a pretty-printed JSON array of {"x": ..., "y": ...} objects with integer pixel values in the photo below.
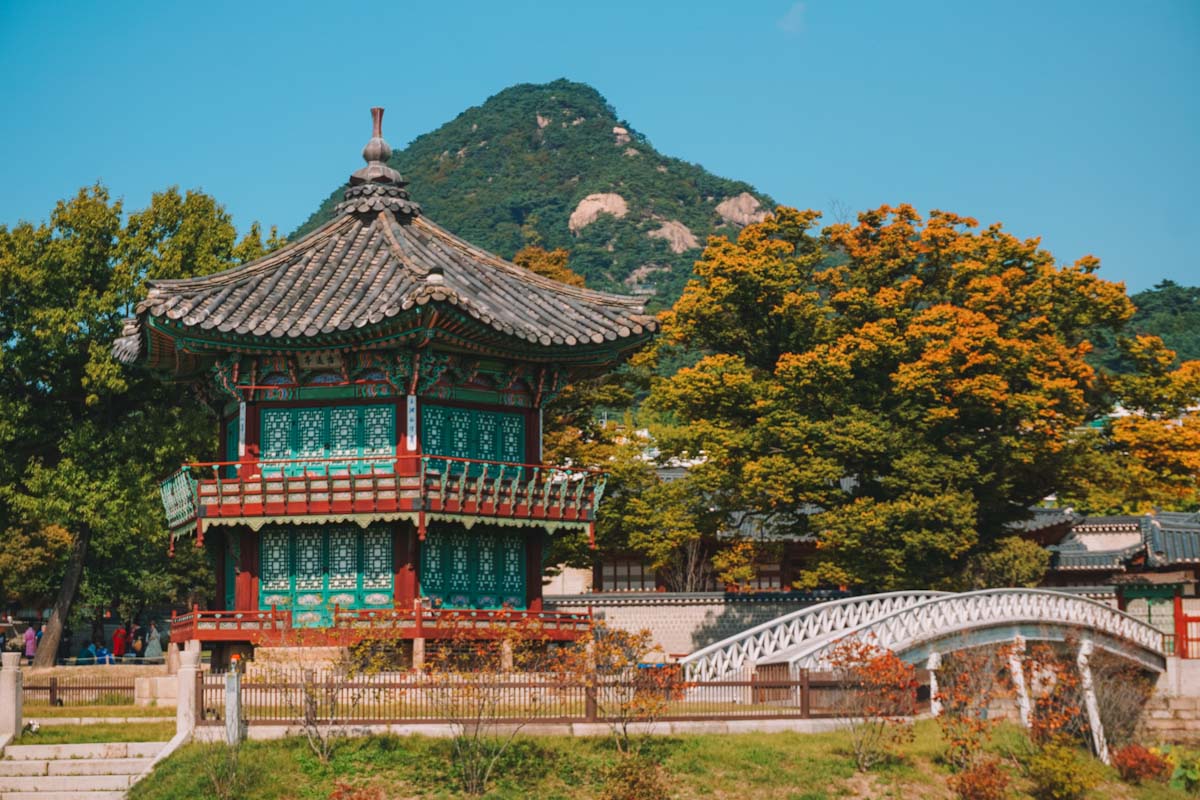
[
  {"x": 756, "y": 645},
  {"x": 971, "y": 619}
]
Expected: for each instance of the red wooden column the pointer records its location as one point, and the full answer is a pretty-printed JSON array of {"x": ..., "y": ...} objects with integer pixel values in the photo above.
[
  {"x": 404, "y": 554},
  {"x": 1181, "y": 648},
  {"x": 246, "y": 586},
  {"x": 250, "y": 458},
  {"x": 533, "y": 570}
]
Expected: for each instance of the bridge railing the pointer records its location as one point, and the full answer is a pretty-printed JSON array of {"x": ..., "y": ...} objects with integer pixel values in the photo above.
[
  {"x": 948, "y": 615},
  {"x": 728, "y": 656}
]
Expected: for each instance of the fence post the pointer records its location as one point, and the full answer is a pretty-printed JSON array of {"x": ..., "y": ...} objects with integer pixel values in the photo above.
[
  {"x": 11, "y": 695},
  {"x": 53, "y": 692},
  {"x": 589, "y": 701},
  {"x": 190, "y": 692},
  {"x": 805, "y": 699},
  {"x": 235, "y": 729}
]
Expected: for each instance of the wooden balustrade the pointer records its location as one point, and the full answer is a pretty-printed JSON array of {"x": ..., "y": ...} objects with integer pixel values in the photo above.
[
  {"x": 348, "y": 626},
  {"x": 360, "y": 485}
]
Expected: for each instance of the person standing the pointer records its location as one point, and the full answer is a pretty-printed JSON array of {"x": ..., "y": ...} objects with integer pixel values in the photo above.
[
  {"x": 30, "y": 642},
  {"x": 118, "y": 650},
  {"x": 153, "y": 651}
]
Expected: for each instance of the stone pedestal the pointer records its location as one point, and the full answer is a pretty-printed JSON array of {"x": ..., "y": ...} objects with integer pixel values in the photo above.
[
  {"x": 418, "y": 654},
  {"x": 185, "y": 711},
  {"x": 11, "y": 699}
]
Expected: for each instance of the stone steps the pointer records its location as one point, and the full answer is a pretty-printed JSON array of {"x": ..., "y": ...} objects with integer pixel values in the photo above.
[
  {"x": 74, "y": 766},
  {"x": 102, "y": 771}
]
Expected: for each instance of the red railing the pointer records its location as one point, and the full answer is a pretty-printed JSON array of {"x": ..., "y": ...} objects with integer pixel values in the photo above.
[
  {"x": 369, "y": 485},
  {"x": 348, "y": 626},
  {"x": 230, "y": 626}
]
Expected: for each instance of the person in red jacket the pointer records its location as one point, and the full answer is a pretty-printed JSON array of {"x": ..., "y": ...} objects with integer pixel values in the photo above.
[{"x": 118, "y": 650}]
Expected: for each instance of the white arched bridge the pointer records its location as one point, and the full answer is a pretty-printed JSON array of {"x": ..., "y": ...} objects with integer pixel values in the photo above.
[{"x": 917, "y": 625}]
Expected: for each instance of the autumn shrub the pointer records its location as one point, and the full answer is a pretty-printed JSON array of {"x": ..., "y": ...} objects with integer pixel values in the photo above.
[
  {"x": 1136, "y": 764},
  {"x": 1059, "y": 770},
  {"x": 876, "y": 696},
  {"x": 635, "y": 778},
  {"x": 969, "y": 681},
  {"x": 1056, "y": 696},
  {"x": 1122, "y": 691},
  {"x": 347, "y": 791},
  {"x": 983, "y": 780}
]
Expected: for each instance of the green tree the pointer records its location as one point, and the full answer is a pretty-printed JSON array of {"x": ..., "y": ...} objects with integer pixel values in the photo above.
[
  {"x": 916, "y": 381},
  {"x": 86, "y": 439}
]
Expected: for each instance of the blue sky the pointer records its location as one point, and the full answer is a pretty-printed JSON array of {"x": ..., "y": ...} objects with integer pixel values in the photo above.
[{"x": 1075, "y": 121}]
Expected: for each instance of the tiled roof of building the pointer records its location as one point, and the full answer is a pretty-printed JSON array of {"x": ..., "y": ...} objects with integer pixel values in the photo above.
[
  {"x": 1174, "y": 540},
  {"x": 1043, "y": 518},
  {"x": 1167, "y": 538},
  {"x": 368, "y": 274}
]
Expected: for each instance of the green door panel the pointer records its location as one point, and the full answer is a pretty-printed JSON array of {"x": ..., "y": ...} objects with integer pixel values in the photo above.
[
  {"x": 312, "y": 569},
  {"x": 231, "y": 446},
  {"x": 343, "y": 433},
  {"x": 476, "y": 434},
  {"x": 473, "y": 569}
]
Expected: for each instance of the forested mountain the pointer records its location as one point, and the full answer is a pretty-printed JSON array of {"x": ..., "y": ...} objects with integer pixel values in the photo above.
[
  {"x": 553, "y": 165},
  {"x": 1168, "y": 310}
]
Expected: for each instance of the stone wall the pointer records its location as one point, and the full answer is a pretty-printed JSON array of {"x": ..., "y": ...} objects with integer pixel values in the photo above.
[{"x": 683, "y": 623}]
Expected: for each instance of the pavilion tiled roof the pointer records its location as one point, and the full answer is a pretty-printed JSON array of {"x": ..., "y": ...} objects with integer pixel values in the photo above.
[{"x": 368, "y": 272}]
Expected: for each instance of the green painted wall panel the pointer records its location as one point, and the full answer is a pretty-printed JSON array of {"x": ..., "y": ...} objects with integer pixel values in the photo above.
[
  {"x": 478, "y": 568},
  {"x": 312, "y": 569}
]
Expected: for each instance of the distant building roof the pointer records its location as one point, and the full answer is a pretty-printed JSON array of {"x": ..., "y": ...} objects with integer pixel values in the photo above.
[{"x": 1165, "y": 539}]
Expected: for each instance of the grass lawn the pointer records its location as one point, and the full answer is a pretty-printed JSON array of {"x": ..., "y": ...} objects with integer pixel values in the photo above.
[
  {"x": 100, "y": 732},
  {"x": 776, "y": 766},
  {"x": 96, "y": 710}
]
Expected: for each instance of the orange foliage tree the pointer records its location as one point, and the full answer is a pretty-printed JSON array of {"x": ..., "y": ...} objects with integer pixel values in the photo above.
[
  {"x": 549, "y": 263},
  {"x": 919, "y": 379}
]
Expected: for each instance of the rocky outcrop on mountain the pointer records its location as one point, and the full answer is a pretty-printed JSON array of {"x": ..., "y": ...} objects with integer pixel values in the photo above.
[
  {"x": 593, "y": 206},
  {"x": 677, "y": 236},
  {"x": 742, "y": 210}
]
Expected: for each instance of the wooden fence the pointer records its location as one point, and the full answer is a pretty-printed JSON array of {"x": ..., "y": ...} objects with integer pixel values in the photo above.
[
  {"x": 79, "y": 690},
  {"x": 286, "y": 699}
]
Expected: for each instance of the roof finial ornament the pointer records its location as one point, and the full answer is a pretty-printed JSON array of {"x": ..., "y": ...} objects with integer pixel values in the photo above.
[{"x": 377, "y": 186}]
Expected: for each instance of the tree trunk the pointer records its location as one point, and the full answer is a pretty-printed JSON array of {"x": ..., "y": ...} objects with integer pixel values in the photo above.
[{"x": 52, "y": 633}]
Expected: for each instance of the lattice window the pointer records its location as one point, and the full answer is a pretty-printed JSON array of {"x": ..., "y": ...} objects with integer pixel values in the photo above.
[
  {"x": 343, "y": 558},
  {"x": 276, "y": 561},
  {"x": 432, "y": 570},
  {"x": 458, "y": 578},
  {"x": 377, "y": 558},
  {"x": 310, "y": 560},
  {"x": 487, "y": 428},
  {"x": 768, "y": 575},
  {"x": 485, "y": 574},
  {"x": 311, "y": 434},
  {"x": 512, "y": 438},
  {"x": 459, "y": 444},
  {"x": 343, "y": 433},
  {"x": 512, "y": 567},
  {"x": 379, "y": 430},
  {"x": 276, "y": 433},
  {"x": 626, "y": 575}
]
